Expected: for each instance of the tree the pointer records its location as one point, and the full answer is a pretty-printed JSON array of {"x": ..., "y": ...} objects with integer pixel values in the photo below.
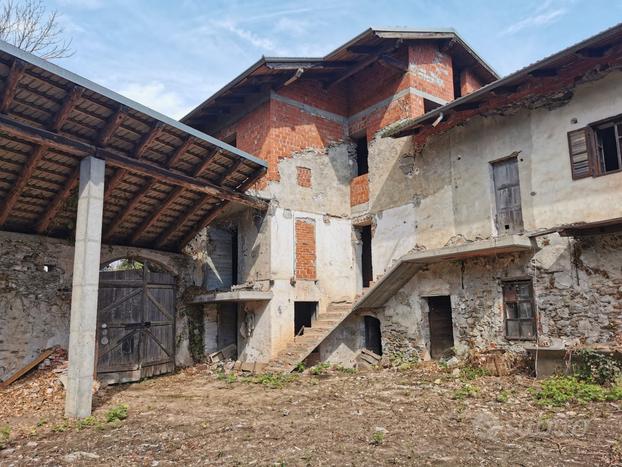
[{"x": 28, "y": 25}]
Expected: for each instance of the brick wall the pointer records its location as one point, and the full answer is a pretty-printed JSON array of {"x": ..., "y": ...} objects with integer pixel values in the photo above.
[
  {"x": 468, "y": 82},
  {"x": 431, "y": 70},
  {"x": 303, "y": 177},
  {"x": 305, "y": 249},
  {"x": 359, "y": 190}
]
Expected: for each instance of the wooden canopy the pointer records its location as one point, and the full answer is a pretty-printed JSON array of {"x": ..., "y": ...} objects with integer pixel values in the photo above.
[{"x": 165, "y": 181}]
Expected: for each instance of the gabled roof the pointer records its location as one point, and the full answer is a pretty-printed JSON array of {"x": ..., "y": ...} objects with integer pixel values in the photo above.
[
  {"x": 164, "y": 179},
  {"x": 270, "y": 72},
  {"x": 596, "y": 47}
]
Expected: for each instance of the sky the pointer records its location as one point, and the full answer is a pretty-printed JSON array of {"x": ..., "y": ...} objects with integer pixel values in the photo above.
[{"x": 172, "y": 55}]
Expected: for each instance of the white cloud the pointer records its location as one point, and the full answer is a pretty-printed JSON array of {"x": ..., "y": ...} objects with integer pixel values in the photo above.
[
  {"x": 543, "y": 15},
  {"x": 155, "y": 96},
  {"x": 260, "y": 42},
  {"x": 82, "y": 4}
]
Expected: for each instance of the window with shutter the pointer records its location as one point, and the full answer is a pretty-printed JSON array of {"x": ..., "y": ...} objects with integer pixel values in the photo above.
[{"x": 580, "y": 162}]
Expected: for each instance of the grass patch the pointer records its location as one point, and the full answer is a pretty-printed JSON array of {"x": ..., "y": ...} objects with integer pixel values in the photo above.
[
  {"x": 228, "y": 378},
  {"x": 5, "y": 434},
  {"x": 377, "y": 438},
  {"x": 470, "y": 373},
  {"x": 560, "y": 390},
  {"x": 466, "y": 390},
  {"x": 403, "y": 361},
  {"x": 344, "y": 369},
  {"x": 320, "y": 369},
  {"x": 271, "y": 380},
  {"x": 117, "y": 413},
  {"x": 503, "y": 396}
]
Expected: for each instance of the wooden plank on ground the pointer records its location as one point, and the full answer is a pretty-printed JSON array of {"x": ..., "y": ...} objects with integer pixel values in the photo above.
[{"x": 19, "y": 373}]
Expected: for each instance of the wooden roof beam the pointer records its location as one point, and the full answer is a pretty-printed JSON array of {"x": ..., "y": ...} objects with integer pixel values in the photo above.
[
  {"x": 183, "y": 149},
  {"x": 73, "y": 96},
  {"x": 18, "y": 67},
  {"x": 21, "y": 182},
  {"x": 112, "y": 125},
  {"x": 58, "y": 201},
  {"x": 78, "y": 148},
  {"x": 233, "y": 169}
]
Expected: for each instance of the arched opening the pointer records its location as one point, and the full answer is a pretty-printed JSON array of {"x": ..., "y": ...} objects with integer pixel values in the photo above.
[
  {"x": 135, "y": 320},
  {"x": 373, "y": 337}
]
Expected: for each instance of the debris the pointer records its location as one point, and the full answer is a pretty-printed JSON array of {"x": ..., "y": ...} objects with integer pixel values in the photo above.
[
  {"x": 366, "y": 358},
  {"x": 21, "y": 372},
  {"x": 79, "y": 455},
  {"x": 226, "y": 353}
]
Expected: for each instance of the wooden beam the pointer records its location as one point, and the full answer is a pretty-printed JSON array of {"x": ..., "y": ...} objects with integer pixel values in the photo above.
[
  {"x": 57, "y": 202},
  {"x": 205, "y": 163},
  {"x": 129, "y": 208},
  {"x": 73, "y": 96},
  {"x": 18, "y": 67},
  {"x": 179, "y": 222},
  {"x": 170, "y": 199},
  {"x": 225, "y": 175},
  {"x": 213, "y": 213},
  {"x": 180, "y": 152},
  {"x": 113, "y": 123},
  {"x": 393, "y": 63},
  {"x": 141, "y": 147},
  {"x": 21, "y": 182},
  {"x": 364, "y": 49},
  {"x": 75, "y": 147}
]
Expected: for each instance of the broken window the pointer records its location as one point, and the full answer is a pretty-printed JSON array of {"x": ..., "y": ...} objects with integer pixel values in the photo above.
[
  {"x": 596, "y": 149},
  {"x": 518, "y": 305},
  {"x": 361, "y": 155}
]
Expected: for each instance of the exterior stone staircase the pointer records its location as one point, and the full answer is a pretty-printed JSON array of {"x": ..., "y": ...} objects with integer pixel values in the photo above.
[{"x": 302, "y": 346}]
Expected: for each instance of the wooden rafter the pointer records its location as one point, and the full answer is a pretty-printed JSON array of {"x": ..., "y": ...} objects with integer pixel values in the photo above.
[
  {"x": 18, "y": 67},
  {"x": 21, "y": 182},
  {"x": 73, "y": 96},
  {"x": 129, "y": 208},
  {"x": 209, "y": 217},
  {"x": 228, "y": 173},
  {"x": 183, "y": 149},
  {"x": 142, "y": 146},
  {"x": 113, "y": 123},
  {"x": 58, "y": 201},
  {"x": 170, "y": 199}
]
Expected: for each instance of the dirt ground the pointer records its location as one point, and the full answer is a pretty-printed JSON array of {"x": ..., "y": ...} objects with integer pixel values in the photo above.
[{"x": 421, "y": 416}]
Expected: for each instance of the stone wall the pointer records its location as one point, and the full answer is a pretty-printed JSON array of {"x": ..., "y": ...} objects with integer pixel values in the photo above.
[
  {"x": 35, "y": 294},
  {"x": 577, "y": 290}
]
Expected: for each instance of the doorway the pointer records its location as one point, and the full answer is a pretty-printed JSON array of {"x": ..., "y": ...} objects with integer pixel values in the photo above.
[
  {"x": 373, "y": 337},
  {"x": 441, "y": 326},
  {"x": 304, "y": 315},
  {"x": 367, "y": 272}
]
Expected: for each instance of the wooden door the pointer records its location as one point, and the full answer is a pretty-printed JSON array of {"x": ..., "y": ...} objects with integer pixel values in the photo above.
[
  {"x": 508, "y": 213},
  {"x": 441, "y": 326},
  {"x": 135, "y": 324}
]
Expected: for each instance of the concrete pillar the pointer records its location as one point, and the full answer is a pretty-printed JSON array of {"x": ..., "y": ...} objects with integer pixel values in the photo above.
[{"x": 85, "y": 287}]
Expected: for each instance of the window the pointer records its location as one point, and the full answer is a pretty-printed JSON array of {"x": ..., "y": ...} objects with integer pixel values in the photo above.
[
  {"x": 361, "y": 155},
  {"x": 520, "y": 319},
  {"x": 596, "y": 149}
]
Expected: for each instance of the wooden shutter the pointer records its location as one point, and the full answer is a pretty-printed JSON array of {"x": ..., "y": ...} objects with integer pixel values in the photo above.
[{"x": 578, "y": 147}]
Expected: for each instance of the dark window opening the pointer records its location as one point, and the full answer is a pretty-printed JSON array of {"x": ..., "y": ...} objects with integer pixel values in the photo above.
[
  {"x": 366, "y": 258},
  {"x": 608, "y": 142},
  {"x": 373, "y": 337},
  {"x": 441, "y": 326},
  {"x": 520, "y": 319},
  {"x": 362, "y": 154},
  {"x": 234, "y": 257},
  {"x": 429, "y": 105},
  {"x": 304, "y": 314}
]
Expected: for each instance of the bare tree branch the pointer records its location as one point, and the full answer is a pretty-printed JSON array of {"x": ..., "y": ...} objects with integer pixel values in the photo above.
[{"x": 27, "y": 25}]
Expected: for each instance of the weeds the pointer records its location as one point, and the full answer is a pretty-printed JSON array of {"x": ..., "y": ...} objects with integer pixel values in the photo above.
[
  {"x": 596, "y": 367},
  {"x": 343, "y": 369},
  {"x": 467, "y": 390},
  {"x": 403, "y": 361},
  {"x": 377, "y": 438},
  {"x": 559, "y": 390},
  {"x": 503, "y": 396},
  {"x": 300, "y": 367},
  {"x": 470, "y": 373},
  {"x": 86, "y": 422},
  {"x": 271, "y": 380},
  {"x": 5, "y": 434},
  {"x": 117, "y": 413},
  {"x": 320, "y": 369},
  {"x": 228, "y": 378},
  {"x": 61, "y": 427}
]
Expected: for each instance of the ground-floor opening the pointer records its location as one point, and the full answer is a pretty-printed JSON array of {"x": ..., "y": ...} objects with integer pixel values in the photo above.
[
  {"x": 304, "y": 315},
  {"x": 441, "y": 326},
  {"x": 373, "y": 337}
]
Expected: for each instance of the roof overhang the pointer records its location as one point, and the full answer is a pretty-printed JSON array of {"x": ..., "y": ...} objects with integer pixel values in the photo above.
[
  {"x": 596, "y": 49},
  {"x": 401, "y": 272},
  {"x": 273, "y": 72},
  {"x": 581, "y": 229},
  {"x": 164, "y": 180}
]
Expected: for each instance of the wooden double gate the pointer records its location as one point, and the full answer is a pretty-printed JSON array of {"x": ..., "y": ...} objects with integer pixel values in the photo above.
[{"x": 135, "y": 323}]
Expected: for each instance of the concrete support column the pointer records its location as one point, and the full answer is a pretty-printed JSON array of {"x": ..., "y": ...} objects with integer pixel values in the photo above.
[{"x": 83, "y": 325}]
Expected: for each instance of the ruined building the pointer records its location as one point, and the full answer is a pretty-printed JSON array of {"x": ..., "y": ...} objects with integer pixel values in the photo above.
[{"x": 394, "y": 195}]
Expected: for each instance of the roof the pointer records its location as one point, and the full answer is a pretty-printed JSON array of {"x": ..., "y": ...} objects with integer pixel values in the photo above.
[
  {"x": 406, "y": 267},
  {"x": 587, "y": 50},
  {"x": 270, "y": 72},
  {"x": 164, "y": 179}
]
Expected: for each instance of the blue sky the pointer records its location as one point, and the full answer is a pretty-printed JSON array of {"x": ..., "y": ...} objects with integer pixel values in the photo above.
[{"x": 171, "y": 55}]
